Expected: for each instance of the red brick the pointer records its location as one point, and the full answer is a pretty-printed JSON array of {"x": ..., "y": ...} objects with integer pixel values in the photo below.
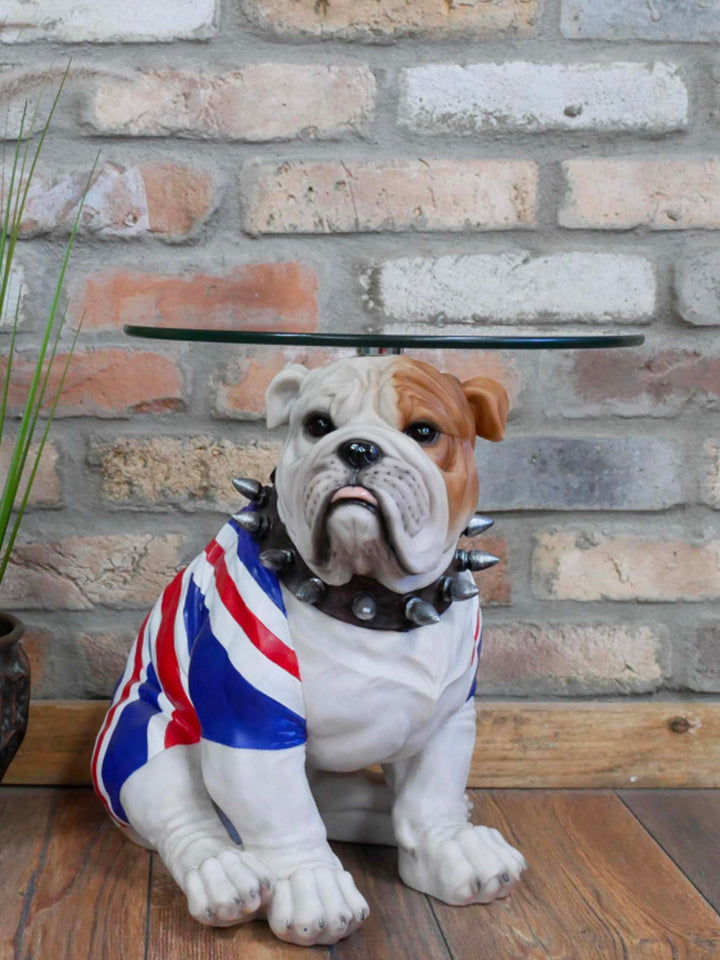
[
  {"x": 105, "y": 383},
  {"x": 241, "y": 385},
  {"x": 659, "y": 194},
  {"x": 178, "y": 199},
  {"x": 38, "y": 647},
  {"x": 494, "y": 584},
  {"x": 123, "y": 571},
  {"x": 659, "y": 383},
  {"x": 258, "y": 296},
  {"x": 575, "y": 565},
  {"x": 704, "y": 659},
  {"x": 368, "y": 20},
  {"x": 45, "y": 491},
  {"x": 467, "y": 364},
  {"x": 389, "y": 195},
  {"x": 262, "y": 101},
  {"x": 191, "y": 472},
  {"x": 162, "y": 199},
  {"x": 105, "y": 655},
  {"x": 569, "y": 658}
]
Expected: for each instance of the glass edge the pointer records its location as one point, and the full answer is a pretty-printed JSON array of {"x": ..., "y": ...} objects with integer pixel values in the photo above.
[{"x": 478, "y": 341}]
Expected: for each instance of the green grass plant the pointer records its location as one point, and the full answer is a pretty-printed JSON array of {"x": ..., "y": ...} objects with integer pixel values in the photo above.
[{"x": 23, "y": 467}]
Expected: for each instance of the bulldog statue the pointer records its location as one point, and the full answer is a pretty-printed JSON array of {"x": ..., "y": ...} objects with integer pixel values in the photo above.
[{"x": 331, "y": 625}]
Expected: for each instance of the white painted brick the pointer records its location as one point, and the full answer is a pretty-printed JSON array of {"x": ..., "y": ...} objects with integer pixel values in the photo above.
[
  {"x": 688, "y": 20},
  {"x": 516, "y": 287},
  {"x": 106, "y": 21},
  {"x": 450, "y": 98},
  {"x": 697, "y": 288}
]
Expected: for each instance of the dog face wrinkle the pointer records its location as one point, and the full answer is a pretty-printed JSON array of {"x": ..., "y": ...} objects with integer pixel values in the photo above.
[{"x": 425, "y": 494}]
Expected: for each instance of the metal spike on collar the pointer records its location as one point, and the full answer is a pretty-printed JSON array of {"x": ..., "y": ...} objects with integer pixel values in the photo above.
[
  {"x": 277, "y": 560},
  {"x": 457, "y": 588},
  {"x": 311, "y": 591},
  {"x": 477, "y": 525},
  {"x": 420, "y": 612},
  {"x": 479, "y": 560},
  {"x": 364, "y": 607},
  {"x": 251, "y": 489},
  {"x": 253, "y": 522}
]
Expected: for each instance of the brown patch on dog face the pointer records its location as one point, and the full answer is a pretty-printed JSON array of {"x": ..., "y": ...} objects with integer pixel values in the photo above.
[{"x": 424, "y": 394}]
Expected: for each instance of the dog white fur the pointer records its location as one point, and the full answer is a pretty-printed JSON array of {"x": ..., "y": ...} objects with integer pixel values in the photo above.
[{"x": 371, "y": 696}]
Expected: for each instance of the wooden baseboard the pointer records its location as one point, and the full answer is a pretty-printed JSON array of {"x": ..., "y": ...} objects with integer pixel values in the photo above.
[{"x": 603, "y": 744}]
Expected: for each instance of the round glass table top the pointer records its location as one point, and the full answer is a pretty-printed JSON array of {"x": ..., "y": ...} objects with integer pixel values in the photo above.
[{"x": 389, "y": 341}]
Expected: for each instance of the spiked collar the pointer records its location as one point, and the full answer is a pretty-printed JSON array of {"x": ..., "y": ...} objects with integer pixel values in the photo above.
[{"x": 361, "y": 601}]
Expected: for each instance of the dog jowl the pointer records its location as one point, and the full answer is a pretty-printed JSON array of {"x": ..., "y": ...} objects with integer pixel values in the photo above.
[{"x": 331, "y": 626}]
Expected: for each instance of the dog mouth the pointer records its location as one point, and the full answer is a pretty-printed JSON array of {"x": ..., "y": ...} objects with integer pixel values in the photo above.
[
  {"x": 357, "y": 495},
  {"x": 343, "y": 496}
]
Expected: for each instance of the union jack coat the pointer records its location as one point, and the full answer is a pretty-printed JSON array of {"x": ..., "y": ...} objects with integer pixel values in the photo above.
[{"x": 213, "y": 659}]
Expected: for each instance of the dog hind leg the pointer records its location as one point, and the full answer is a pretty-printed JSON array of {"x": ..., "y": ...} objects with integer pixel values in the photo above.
[
  {"x": 170, "y": 810},
  {"x": 355, "y": 807}
]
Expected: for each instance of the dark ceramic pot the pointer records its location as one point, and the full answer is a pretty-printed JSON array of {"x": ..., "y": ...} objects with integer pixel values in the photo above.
[{"x": 14, "y": 689}]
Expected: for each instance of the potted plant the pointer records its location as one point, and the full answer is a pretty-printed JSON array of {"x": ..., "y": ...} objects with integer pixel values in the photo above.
[{"x": 25, "y": 446}]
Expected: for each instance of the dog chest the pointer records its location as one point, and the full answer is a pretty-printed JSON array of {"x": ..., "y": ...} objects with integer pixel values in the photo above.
[{"x": 373, "y": 696}]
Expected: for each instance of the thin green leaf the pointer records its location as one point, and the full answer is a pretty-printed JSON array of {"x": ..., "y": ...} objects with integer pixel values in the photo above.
[
  {"x": 24, "y": 182},
  {"x": 8, "y": 368},
  {"x": 21, "y": 510},
  {"x": 17, "y": 477}
]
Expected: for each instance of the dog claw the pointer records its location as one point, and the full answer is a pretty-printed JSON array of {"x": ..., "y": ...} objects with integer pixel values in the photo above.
[
  {"x": 311, "y": 591},
  {"x": 420, "y": 612},
  {"x": 477, "y": 525},
  {"x": 277, "y": 560},
  {"x": 251, "y": 489}
]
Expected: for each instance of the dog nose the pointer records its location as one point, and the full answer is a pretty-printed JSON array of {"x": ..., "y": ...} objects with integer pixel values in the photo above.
[{"x": 359, "y": 453}]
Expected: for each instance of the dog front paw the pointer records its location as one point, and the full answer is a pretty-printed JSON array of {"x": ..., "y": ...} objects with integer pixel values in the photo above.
[
  {"x": 228, "y": 888},
  {"x": 318, "y": 904},
  {"x": 464, "y": 865}
]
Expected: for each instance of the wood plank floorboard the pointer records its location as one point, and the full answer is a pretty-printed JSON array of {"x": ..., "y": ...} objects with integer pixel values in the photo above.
[
  {"x": 174, "y": 935},
  {"x": 88, "y": 898},
  {"x": 597, "y": 887},
  {"x": 401, "y": 925},
  {"x": 686, "y": 824},
  {"x": 24, "y": 816}
]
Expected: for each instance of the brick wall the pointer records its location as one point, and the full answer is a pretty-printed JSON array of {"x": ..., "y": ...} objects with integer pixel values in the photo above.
[{"x": 494, "y": 166}]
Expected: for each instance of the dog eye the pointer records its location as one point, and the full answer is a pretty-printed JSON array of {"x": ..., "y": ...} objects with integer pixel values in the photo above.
[
  {"x": 423, "y": 433},
  {"x": 318, "y": 425}
]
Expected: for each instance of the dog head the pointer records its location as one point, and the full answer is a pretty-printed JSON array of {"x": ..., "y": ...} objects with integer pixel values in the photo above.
[{"x": 377, "y": 476}]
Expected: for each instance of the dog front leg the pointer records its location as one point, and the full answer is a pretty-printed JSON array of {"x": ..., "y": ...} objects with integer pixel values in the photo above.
[
  {"x": 440, "y": 852},
  {"x": 266, "y": 796}
]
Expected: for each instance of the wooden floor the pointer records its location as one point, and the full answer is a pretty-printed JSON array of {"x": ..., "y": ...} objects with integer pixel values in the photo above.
[{"x": 626, "y": 874}]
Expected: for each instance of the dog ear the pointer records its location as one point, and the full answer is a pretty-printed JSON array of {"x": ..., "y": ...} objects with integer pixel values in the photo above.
[
  {"x": 490, "y": 406},
  {"x": 282, "y": 393}
]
